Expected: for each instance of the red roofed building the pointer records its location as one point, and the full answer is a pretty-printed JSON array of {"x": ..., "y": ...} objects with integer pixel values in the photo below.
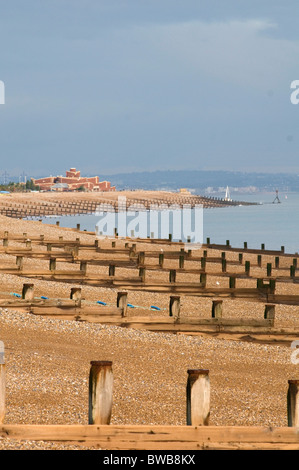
[{"x": 72, "y": 181}]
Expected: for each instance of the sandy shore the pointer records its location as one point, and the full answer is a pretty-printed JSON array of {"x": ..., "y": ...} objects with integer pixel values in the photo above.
[{"x": 47, "y": 361}]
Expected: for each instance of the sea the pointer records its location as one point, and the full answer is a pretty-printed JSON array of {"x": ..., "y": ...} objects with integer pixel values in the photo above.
[{"x": 271, "y": 223}]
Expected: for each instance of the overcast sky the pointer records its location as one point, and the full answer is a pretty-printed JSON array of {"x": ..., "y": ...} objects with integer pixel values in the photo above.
[{"x": 126, "y": 85}]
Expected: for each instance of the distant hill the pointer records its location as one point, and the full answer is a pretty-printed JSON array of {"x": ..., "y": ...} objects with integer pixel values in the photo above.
[
  {"x": 200, "y": 181},
  {"x": 205, "y": 181}
]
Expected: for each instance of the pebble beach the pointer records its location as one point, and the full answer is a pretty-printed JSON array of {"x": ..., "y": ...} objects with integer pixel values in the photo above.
[{"x": 48, "y": 360}]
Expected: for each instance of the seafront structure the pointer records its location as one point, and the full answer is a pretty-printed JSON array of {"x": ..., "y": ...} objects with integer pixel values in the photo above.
[{"x": 72, "y": 181}]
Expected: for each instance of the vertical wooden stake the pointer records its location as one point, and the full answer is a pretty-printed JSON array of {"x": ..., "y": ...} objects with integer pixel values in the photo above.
[
  {"x": 141, "y": 257},
  {"x": 83, "y": 266},
  {"x": 28, "y": 292},
  {"x": 122, "y": 302},
  {"x": 293, "y": 403},
  {"x": 52, "y": 264},
  {"x": 174, "y": 306},
  {"x": 269, "y": 313},
  {"x": 100, "y": 392},
  {"x": 269, "y": 269},
  {"x": 198, "y": 397},
  {"x": 172, "y": 275},
  {"x": 161, "y": 260},
  {"x": 217, "y": 308},
  {"x": 247, "y": 267},
  {"x": 76, "y": 295},
  {"x": 142, "y": 274},
  {"x": 19, "y": 262},
  {"x": 181, "y": 261}
]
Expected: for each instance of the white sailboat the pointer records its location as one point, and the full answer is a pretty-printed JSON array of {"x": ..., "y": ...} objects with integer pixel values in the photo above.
[{"x": 227, "y": 194}]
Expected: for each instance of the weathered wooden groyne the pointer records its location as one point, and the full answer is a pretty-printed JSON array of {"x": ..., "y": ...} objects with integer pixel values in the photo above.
[{"x": 85, "y": 204}]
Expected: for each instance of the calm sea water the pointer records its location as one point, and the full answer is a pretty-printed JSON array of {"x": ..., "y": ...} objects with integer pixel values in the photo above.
[{"x": 275, "y": 225}]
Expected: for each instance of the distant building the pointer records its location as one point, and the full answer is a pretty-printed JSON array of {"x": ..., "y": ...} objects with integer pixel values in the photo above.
[{"x": 73, "y": 181}]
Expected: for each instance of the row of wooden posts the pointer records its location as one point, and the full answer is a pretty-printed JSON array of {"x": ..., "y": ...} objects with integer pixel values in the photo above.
[
  {"x": 74, "y": 250},
  {"x": 122, "y": 303},
  {"x": 57, "y": 207},
  {"x": 100, "y": 395}
]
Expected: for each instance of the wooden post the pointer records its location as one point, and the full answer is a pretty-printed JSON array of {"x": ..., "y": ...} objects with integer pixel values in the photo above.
[
  {"x": 245, "y": 245},
  {"x": 28, "y": 244},
  {"x": 78, "y": 226},
  {"x": 247, "y": 267},
  {"x": 208, "y": 241},
  {"x": 42, "y": 237},
  {"x": 272, "y": 285},
  {"x": 28, "y": 292},
  {"x": 262, "y": 246},
  {"x": 223, "y": 263},
  {"x": 240, "y": 258},
  {"x": 141, "y": 257},
  {"x": 232, "y": 282},
  {"x": 181, "y": 261},
  {"x": 19, "y": 262},
  {"x": 76, "y": 295},
  {"x": 5, "y": 241},
  {"x": 203, "y": 279},
  {"x": 293, "y": 403},
  {"x": 269, "y": 269},
  {"x": 57, "y": 223},
  {"x": 113, "y": 244},
  {"x": 276, "y": 261},
  {"x": 282, "y": 249},
  {"x": 203, "y": 262},
  {"x": 227, "y": 243},
  {"x": 100, "y": 392},
  {"x": 205, "y": 253},
  {"x": 172, "y": 275},
  {"x": 259, "y": 260},
  {"x": 142, "y": 274},
  {"x": 161, "y": 259},
  {"x": 174, "y": 306},
  {"x": 295, "y": 262},
  {"x": 2, "y": 383},
  {"x": 49, "y": 247},
  {"x": 217, "y": 308},
  {"x": 83, "y": 266},
  {"x": 52, "y": 264},
  {"x": 122, "y": 302},
  {"x": 111, "y": 269},
  {"x": 198, "y": 397},
  {"x": 269, "y": 313},
  {"x": 292, "y": 271}
]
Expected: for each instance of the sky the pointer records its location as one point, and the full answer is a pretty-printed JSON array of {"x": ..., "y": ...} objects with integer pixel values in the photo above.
[{"x": 110, "y": 86}]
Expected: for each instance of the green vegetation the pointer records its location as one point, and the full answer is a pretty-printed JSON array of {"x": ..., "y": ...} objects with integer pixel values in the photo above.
[{"x": 19, "y": 187}]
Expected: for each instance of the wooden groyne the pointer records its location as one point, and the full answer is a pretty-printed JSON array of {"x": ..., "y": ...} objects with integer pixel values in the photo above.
[
  {"x": 45, "y": 206},
  {"x": 196, "y": 434}
]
